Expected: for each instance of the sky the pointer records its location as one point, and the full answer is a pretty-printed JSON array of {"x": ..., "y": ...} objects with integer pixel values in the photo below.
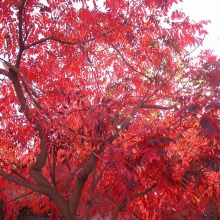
[{"x": 205, "y": 10}]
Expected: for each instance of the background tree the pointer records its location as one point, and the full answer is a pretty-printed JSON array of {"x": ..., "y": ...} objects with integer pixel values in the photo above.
[{"x": 104, "y": 112}]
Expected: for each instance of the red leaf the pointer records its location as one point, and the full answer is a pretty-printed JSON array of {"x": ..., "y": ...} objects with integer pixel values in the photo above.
[
  {"x": 149, "y": 156},
  {"x": 210, "y": 126}
]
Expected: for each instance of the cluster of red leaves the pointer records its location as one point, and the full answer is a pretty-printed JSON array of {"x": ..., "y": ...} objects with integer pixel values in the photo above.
[{"x": 108, "y": 106}]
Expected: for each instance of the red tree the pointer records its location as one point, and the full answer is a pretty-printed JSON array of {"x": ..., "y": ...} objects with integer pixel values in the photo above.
[{"x": 104, "y": 112}]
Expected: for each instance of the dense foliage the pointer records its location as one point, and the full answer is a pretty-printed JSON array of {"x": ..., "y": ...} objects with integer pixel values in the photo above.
[{"x": 105, "y": 113}]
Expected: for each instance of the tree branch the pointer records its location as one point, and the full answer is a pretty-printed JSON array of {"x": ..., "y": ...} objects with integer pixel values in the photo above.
[
  {"x": 80, "y": 183},
  {"x": 48, "y": 191},
  {"x": 128, "y": 64},
  {"x": 124, "y": 203},
  {"x": 36, "y": 168},
  {"x": 95, "y": 181},
  {"x": 37, "y": 42},
  {"x": 26, "y": 194},
  {"x": 136, "y": 215},
  {"x": 23, "y": 182},
  {"x": 86, "y": 171},
  {"x": 13, "y": 170},
  {"x": 131, "y": 115},
  {"x": 3, "y": 72},
  {"x": 23, "y": 78},
  {"x": 71, "y": 42},
  {"x": 20, "y": 38},
  {"x": 159, "y": 106},
  {"x": 21, "y": 8}
]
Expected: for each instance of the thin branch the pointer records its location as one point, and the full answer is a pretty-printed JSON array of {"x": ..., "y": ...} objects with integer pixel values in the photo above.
[
  {"x": 126, "y": 140},
  {"x": 104, "y": 34},
  {"x": 12, "y": 116},
  {"x": 136, "y": 215},
  {"x": 128, "y": 64},
  {"x": 37, "y": 42},
  {"x": 95, "y": 154},
  {"x": 159, "y": 106},
  {"x": 128, "y": 119},
  {"x": 65, "y": 42},
  {"x": 144, "y": 192},
  {"x": 13, "y": 170},
  {"x": 26, "y": 194},
  {"x": 18, "y": 174},
  {"x": 195, "y": 47},
  {"x": 124, "y": 203},
  {"x": 69, "y": 180}
]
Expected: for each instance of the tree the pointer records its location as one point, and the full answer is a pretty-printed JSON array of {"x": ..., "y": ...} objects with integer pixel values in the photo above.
[{"x": 104, "y": 111}]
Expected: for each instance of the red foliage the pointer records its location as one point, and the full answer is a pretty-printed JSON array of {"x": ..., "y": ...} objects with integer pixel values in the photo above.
[{"x": 105, "y": 113}]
